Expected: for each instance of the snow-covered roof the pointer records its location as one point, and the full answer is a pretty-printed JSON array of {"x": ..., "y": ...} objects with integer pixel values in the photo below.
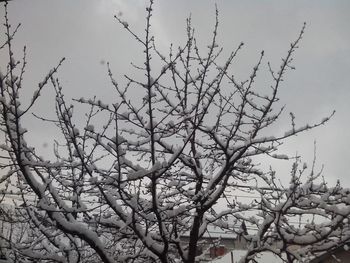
[
  {"x": 215, "y": 232},
  {"x": 238, "y": 254}
]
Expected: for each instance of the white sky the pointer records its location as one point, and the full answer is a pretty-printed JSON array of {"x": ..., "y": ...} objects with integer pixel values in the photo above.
[{"x": 85, "y": 32}]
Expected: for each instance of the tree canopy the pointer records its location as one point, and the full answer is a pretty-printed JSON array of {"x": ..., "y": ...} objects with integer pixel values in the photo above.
[{"x": 163, "y": 162}]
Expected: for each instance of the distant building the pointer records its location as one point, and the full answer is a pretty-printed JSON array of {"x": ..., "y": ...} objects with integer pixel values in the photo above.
[{"x": 217, "y": 243}]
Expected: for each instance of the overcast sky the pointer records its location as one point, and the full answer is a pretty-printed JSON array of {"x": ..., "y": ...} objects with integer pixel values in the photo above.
[{"x": 85, "y": 32}]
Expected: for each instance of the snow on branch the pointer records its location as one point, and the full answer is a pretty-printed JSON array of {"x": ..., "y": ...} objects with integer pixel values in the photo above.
[{"x": 145, "y": 178}]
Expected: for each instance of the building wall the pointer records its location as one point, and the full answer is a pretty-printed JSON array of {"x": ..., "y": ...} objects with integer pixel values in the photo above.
[{"x": 216, "y": 247}]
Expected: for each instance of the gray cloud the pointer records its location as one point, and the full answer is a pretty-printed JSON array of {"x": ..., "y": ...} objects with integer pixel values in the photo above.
[{"x": 85, "y": 32}]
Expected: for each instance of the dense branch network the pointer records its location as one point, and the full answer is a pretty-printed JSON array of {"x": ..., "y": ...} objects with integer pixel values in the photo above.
[{"x": 174, "y": 149}]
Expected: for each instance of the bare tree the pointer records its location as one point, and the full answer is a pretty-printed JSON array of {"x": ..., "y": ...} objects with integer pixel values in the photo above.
[{"x": 165, "y": 164}]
